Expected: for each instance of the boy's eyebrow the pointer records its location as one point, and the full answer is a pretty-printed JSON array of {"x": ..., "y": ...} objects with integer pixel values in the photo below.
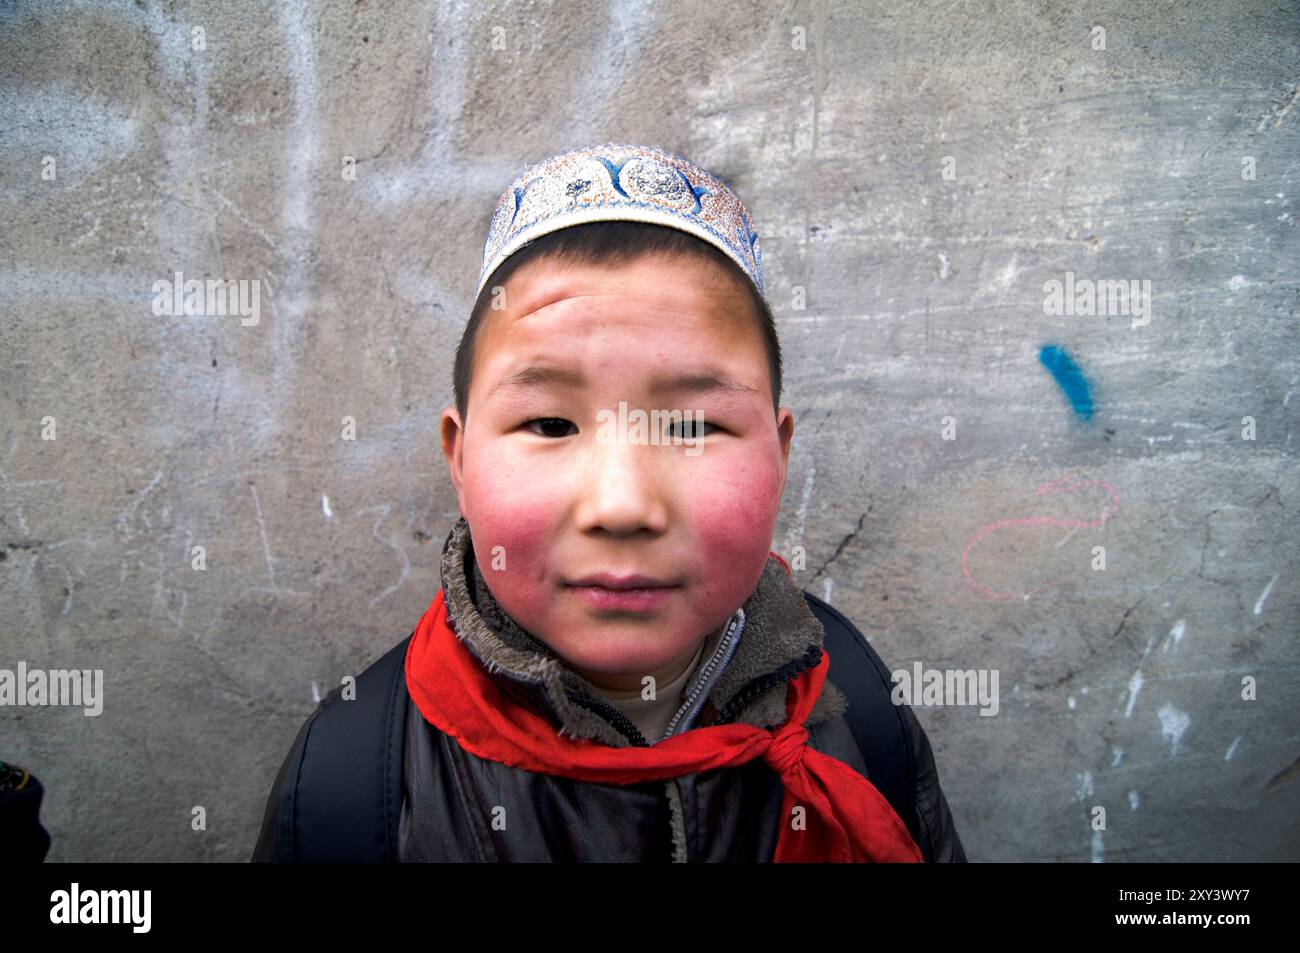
[{"x": 696, "y": 383}]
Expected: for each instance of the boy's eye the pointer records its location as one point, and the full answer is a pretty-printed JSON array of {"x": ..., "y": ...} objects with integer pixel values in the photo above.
[
  {"x": 551, "y": 423},
  {"x": 691, "y": 430}
]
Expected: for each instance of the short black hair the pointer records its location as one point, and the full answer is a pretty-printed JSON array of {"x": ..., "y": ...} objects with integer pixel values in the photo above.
[{"x": 612, "y": 243}]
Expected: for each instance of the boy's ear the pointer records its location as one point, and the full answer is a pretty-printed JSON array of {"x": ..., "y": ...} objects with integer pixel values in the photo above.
[
  {"x": 453, "y": 448},
  {"x": 785, "y": 433}
]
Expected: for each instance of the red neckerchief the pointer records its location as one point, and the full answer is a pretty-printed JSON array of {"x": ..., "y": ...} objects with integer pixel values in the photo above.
[{"x": 844, "y": 817}]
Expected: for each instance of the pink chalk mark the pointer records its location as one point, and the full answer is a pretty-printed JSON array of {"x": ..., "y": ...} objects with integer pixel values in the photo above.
[{"x": 1065, "y": 484}]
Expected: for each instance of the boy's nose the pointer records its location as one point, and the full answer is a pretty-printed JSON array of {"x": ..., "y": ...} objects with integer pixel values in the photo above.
[{"x": 621, "y": 491}]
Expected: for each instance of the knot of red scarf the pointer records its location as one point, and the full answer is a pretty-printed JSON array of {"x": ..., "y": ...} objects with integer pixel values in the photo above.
[
  {"x": 830, "y": 812},
  {"x": 787, "y": 747}
]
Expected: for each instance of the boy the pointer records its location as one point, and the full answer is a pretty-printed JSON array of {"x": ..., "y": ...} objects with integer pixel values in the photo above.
[{"x": 616, "y": 667}]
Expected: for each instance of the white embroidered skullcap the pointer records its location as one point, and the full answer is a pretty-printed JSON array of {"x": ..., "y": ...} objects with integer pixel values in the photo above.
[{"x": 620, "y": 181}]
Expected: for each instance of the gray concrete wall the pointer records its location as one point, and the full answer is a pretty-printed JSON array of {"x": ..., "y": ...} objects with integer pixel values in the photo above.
[{"x": 917, "y": 173}]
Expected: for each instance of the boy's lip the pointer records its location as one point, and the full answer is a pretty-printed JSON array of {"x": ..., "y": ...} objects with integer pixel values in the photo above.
[{"x": 607, "y": 580}]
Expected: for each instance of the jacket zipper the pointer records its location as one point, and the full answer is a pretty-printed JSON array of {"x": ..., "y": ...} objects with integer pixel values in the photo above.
[
  {"x": 755, "y": 688},
  {"x": 691, "y": 704},
  {"x": 699, "y": 691}
]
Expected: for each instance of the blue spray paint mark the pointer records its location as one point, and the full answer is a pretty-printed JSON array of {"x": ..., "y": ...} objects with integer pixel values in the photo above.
[{"x": 1069, "y": 377}]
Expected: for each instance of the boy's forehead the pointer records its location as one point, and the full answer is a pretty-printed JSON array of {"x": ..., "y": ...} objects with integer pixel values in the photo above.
[
  {"x": 581, "y": 319},
  {"x": 588, "y": 333},
  {"x": 653, "y": 282},
  {"x": 561, "y": 326}
]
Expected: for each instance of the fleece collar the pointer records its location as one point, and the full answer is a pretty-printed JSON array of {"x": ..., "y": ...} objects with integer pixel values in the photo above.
[{"x": 779, "y": 638}]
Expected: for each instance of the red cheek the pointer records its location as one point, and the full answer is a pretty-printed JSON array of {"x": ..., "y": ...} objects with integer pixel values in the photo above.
[
  {"x": 734, "y": 522},
  {"x": 508, "y": 556},
  {"x": 513, "y": 537}
]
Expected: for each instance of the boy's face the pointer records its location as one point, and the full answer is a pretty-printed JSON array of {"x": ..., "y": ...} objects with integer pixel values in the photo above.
[{"x": 563, "y": 503}]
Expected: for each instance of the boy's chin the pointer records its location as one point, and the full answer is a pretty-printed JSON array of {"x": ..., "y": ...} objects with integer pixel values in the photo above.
[
  {"x": 625, "y": 657},
  {"x": 611, "y": 663}
]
